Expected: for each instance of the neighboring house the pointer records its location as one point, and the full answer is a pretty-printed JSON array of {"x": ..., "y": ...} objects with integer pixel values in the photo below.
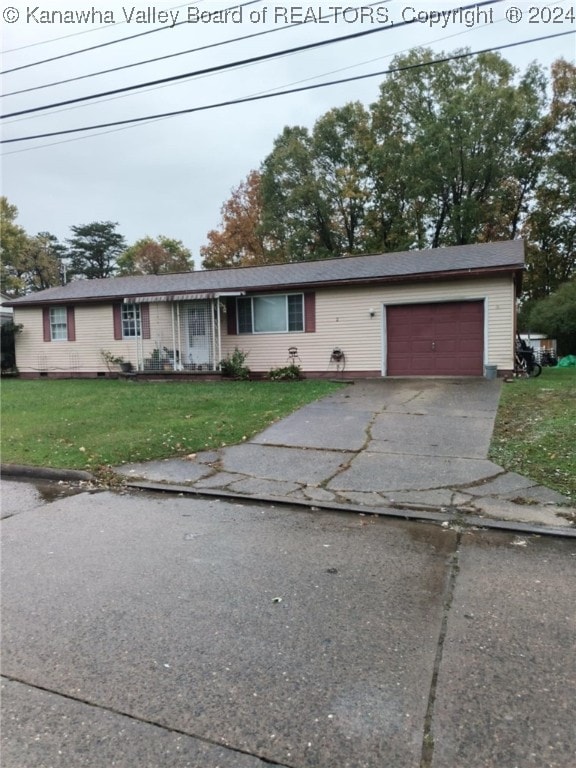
[
  {"x": 540, "y": 343},
  {"x": 7, "y": 346},
  {"x": 6, "y": 313},
  {"x": 442, "y": 312}
]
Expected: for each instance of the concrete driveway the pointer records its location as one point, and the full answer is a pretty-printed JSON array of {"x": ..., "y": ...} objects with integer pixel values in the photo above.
[{"x": 408, "y": 444}]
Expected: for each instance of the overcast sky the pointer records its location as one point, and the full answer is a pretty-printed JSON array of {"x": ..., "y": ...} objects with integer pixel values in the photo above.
[{"x": 171, "y": 176}]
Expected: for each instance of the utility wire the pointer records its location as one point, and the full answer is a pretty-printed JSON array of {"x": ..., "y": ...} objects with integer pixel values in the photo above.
[
  {"x": 86, "y": 136},
  {"x": 257, "y": 93},
  {"x": 174, "y": 55},
  {"x": 119, "y": 40},
  {"x": 86, "y": 105},
  {"x": 232, "y": 65},
  {"x": 83, "y": 32},
  {"x": 79, "y": 138},
  {"x": 261, "y": 97}
]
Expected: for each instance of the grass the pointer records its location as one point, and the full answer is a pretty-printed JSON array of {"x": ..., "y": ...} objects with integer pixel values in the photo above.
[
  {"x": 535, "y": 431},
  {"x": 87, "y": 424}
]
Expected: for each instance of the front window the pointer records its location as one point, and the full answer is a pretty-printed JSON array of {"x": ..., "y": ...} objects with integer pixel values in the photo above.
[
  {"x": 58, "y": 324},
  {"x": 271, "y": 314},
  {"x": 131, "y": 325}
]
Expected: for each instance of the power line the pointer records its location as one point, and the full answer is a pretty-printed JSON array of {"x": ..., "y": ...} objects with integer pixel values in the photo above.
[
  {"x": 232, "y": 65},
  {"x": 118, "y": 97},
  {"x": 261, "y": 97},
  {"x": 83, "y": 32},
  {"x": 168, "y": 85},
  {"x": 78, "y": 138},
  {"x": 119, "y": 40},
  {"x": 174, "y": 55}
]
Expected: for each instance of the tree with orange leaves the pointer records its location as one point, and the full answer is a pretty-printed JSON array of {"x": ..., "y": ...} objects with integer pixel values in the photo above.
[{"x": 238, "y": 242}]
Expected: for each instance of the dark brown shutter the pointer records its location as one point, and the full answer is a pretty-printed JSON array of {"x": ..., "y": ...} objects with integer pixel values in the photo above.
[
  {"x": 46, "y": 323},
  {"x": 117, "y": 315},
  {"x": 310, "y": 312},
  {"x": 145, "y": 320},
  {"x": 232, "y": 327},
  {"x": 71, "y": 323}
]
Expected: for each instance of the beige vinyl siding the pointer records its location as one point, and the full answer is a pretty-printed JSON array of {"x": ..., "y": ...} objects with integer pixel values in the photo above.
[
  {"x": 343, "y": 320},
  {"x": 94, "y": 332}
]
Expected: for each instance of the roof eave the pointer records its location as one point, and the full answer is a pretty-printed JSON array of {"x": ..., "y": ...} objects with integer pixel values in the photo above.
[
  {"x": 406, "y": 278},
  {"x": 456, "y": 274}
]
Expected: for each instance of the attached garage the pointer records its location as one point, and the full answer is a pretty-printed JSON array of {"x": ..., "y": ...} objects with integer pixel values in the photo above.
[
  {"x": 435, "y": 339},
  {"x": 442, "y": 312}
]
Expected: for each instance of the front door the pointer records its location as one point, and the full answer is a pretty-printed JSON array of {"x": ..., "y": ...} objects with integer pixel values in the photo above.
[{"x": 198, "y": 325}]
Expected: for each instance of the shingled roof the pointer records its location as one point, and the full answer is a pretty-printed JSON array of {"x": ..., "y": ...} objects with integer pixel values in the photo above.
[{"x": 454, "y": 262}]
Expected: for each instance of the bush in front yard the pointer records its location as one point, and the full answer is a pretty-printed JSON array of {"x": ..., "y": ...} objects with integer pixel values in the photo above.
[
  {"x": 234, "y": 365},
  {"x": 288, "y": 373}
]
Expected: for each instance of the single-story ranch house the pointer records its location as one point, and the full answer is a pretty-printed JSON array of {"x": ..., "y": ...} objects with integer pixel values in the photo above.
[{"x": 441, "y": 312}]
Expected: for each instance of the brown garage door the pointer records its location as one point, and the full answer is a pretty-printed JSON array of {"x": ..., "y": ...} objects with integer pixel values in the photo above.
[{"x": 436, "y": 339}]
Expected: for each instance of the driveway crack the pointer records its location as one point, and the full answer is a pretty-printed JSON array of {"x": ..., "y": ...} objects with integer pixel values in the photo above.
[{"x": 428, "y": 740}]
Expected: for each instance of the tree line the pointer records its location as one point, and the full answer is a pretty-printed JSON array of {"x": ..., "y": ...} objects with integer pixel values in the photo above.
[
  {"x": 463, "y": 151},
  {"x": 95, "y": 250}
]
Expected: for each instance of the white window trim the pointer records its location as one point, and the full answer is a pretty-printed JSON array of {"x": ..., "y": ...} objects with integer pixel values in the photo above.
[
  {"x": 54, "y": 324},
  {"x": 137, "y": 321},
  {"x": 269, "y": 295}
]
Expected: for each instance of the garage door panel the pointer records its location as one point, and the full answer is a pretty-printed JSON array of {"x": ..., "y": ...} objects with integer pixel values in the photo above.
[
  {"x": 445, "y": 339},
  {"x": 413, "y": 332},
  {"x": 417, "y": 368},
  {"x": 471, "y": 329},
  {"x": 421, "y": 346}
]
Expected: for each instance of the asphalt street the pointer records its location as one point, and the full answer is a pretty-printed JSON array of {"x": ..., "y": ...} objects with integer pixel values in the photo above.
[{"x": 144, "y": 629}]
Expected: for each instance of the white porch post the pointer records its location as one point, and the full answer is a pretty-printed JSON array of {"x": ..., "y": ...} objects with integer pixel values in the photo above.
[
  {"x": 140, "y": 351},
  {"x": 179, "y": 332},
  {"x": 218, "y": 336},
  {"x": 177, "y": 357}
]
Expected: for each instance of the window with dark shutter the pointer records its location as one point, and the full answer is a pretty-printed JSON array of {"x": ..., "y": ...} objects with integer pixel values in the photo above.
[
  {"x": 117, "y": 320},
  {"x": 231, "y": 326},
  {"x": 58, "y": 324},
  {"x": 145, "y": 320},
  {"x": 310, "y": 312},
  {"x": 273, "y": 313},
  {"x": 46, "y": 323},
  {"x": 71, "y": 323}
]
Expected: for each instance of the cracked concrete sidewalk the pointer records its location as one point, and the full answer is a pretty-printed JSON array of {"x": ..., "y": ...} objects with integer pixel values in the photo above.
[{"x": 375, "y": 446}]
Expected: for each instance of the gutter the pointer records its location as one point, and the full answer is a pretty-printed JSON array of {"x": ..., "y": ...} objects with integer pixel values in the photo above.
[{"x": 461, "y": 274}]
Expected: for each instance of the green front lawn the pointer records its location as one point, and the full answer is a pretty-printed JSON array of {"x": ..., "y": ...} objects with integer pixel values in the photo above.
[
  {"x": 535, "y": 432},
  {"x": 84, "y": 424}
]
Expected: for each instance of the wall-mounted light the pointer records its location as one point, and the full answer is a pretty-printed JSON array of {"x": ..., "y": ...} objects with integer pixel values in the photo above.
[{"x": 371, "y": 311}]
